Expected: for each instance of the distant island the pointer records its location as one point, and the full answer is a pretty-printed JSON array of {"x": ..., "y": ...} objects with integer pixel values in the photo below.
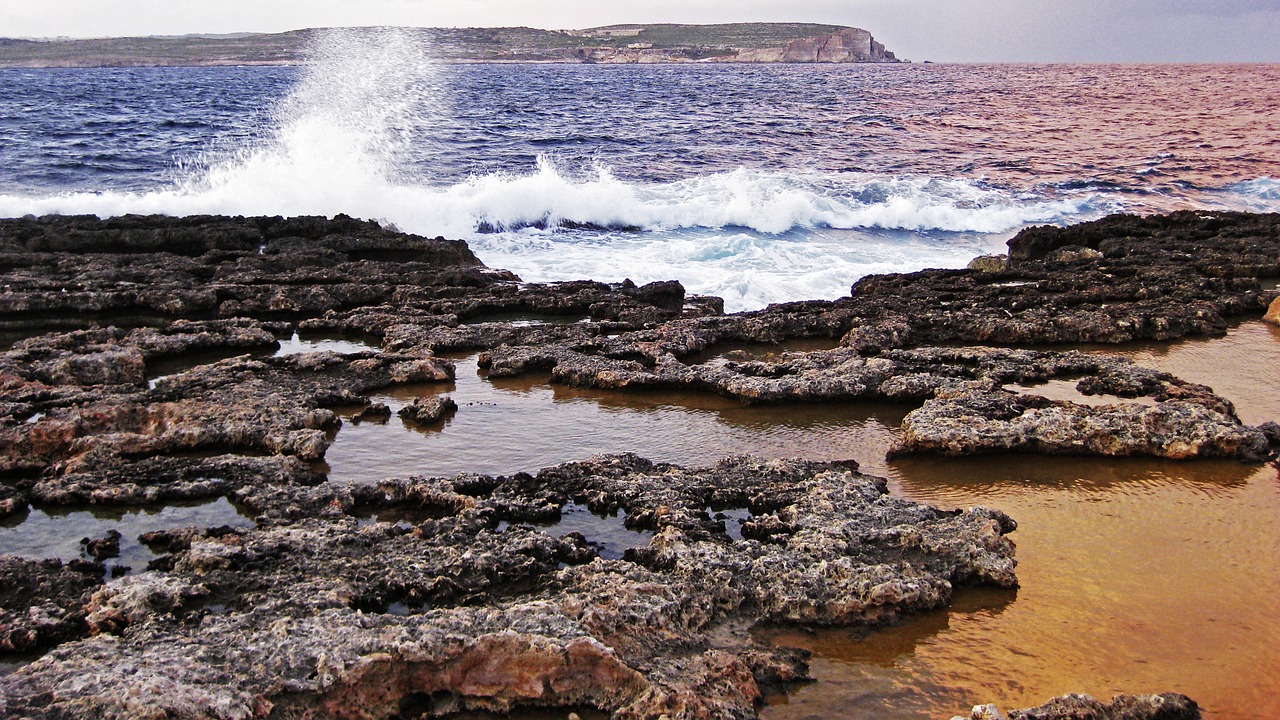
[{"x": 613, "y": 44}]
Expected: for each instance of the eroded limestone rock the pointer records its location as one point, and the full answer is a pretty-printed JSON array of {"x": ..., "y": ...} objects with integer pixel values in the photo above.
[
  {"x": 43, "y": 602},
  {"x": 462, "y": 604},
  {"x": 428, "y": 411},
  {"x": 1273, "y": 312},
  {"x": 1166, "y": 706},
  {"x": 494, "y": 614}
]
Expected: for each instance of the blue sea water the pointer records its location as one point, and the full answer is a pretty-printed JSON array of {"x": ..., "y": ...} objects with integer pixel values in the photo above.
[{"x": 757, "y": 183}]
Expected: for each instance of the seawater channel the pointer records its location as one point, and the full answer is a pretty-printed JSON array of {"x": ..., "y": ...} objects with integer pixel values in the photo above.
[{"x": 1136, "y": 575}]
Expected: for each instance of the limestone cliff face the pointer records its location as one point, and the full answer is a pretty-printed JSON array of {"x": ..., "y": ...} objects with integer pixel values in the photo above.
[
  {"x": 848, "y": 45},
  {"x": 842, "y": 46}
]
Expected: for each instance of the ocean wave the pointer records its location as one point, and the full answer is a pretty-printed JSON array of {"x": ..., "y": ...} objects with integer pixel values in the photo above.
[
  {"x": 343, "y": 139},
  {"x": 748, "y": 269},
  {"x": 330, "y": 178},
  {"x": 1265, "y": 188},
  {"x": 762, "y": 201}
]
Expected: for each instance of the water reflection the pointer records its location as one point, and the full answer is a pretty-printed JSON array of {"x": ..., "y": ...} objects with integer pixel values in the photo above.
[
  {"x": 1137, "y": 575},
  {"x": 606, "y": 532},
  {"x": 1236, "y": 366},
  {"x": 506, "y": 425},
  {"x": 1066, "y": 390},
  {"x": 866, "y": 668},
  {"x": 53, "y": 532},
  {"x": 162, "y": 368},
  {"x": 296, "y": 344}
]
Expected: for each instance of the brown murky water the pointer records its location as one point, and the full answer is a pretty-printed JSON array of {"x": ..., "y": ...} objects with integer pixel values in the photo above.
[{"x": 1137, "y": 575}]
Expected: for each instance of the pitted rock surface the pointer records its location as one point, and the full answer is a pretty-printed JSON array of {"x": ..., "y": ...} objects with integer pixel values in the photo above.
[
  {"x": 137, "y": 370},
  {"x": 494, "y": 619},
  {"x": 1166, "y": 706}
]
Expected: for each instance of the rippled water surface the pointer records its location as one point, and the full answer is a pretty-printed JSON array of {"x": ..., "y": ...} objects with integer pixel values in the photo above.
[
  {"x": 1137, "y": 576},
  {"x": 756, "y": 183}
]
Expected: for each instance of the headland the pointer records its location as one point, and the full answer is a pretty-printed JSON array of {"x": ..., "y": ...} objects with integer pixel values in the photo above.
[{"x": 614, "y": 44}]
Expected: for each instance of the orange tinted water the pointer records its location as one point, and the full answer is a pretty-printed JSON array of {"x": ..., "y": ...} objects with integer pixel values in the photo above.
[{"x": 1137, "y": 575}]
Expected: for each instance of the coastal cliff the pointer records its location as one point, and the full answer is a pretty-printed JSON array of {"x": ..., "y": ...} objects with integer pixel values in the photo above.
[
  {"x": 615, "y": 44},
  {"x": 842, "y": 46}
]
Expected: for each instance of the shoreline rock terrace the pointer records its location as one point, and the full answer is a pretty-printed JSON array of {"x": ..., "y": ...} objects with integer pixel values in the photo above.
[{"x": 463, "y": 604}]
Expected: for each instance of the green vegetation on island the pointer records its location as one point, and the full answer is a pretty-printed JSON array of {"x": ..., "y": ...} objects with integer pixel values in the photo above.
[{"x": 733, "y": 42}]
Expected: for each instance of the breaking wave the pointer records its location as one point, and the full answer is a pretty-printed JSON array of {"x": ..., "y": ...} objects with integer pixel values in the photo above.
[{"x": 350, "y": 134}]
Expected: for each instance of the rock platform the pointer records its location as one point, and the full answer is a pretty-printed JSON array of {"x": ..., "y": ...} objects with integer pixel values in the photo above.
[{"x": 138, "y": 370}]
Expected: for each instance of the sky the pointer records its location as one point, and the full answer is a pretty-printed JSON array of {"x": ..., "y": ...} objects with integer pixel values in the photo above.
[{"x": 938, "y": 30}]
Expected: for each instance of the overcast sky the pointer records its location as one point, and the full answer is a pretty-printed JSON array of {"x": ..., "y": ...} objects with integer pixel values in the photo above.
[{"x": 941, "y": 30}]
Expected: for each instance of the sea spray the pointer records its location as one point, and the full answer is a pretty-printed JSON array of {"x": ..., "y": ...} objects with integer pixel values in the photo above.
[
  {"x": 338, "y": 138},
  {"x": 757, "y": 184}
]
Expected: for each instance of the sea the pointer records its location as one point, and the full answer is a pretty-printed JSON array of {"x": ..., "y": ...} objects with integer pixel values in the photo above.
[{"x": 757, "y": 183}]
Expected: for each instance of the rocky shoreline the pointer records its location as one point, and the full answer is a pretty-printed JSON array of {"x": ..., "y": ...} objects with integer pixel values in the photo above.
[{"x": 462, "y": 602}]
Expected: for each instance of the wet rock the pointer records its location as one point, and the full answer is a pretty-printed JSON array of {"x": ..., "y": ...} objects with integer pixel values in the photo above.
[
  {"x": 138, "y": 268},
  {"x": 1273, "y": 312},
  {"x": 247, "y": 405},
  {"x": 972, "y": 422},
  {"x": 1166, "y": 706},
  {"x": 989, "y": 263},
  {"x": 103, "y": 547},
  {"x": 428, "y": 411},
  {"x": 668, "y": 294},
  {"x": 502, "y": 621},
  {"x": 12, "y": 501},
  {"x": 42, "y": 602},
  {"x": 107, "y": 479},
  {"x": 376, "y": 412},
  {"x": 1114, "y": 280}
]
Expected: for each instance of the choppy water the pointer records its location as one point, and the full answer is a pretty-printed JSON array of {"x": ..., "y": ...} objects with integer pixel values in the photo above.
[{"x": 759, "y": 183}]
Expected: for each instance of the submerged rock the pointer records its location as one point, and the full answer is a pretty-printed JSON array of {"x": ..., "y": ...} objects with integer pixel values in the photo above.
[
  {"x": 104, "y": 547},
  {"x": 1166, "y": 706}
]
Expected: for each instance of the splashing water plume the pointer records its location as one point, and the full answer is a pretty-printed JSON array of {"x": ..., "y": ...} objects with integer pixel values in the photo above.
[{"x": 338, "y": 137}]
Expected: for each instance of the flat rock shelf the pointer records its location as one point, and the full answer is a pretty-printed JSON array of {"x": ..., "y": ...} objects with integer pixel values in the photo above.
[{"x": 172, "y": 388}]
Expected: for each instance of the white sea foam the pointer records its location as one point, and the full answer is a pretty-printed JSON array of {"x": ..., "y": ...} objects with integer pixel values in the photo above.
[
  {"x": 370, "y": 98},
  {"x": 320, "y": 173},
  {"x": 753, "y": 237},
  {"x": 1263, "y": 193}
]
